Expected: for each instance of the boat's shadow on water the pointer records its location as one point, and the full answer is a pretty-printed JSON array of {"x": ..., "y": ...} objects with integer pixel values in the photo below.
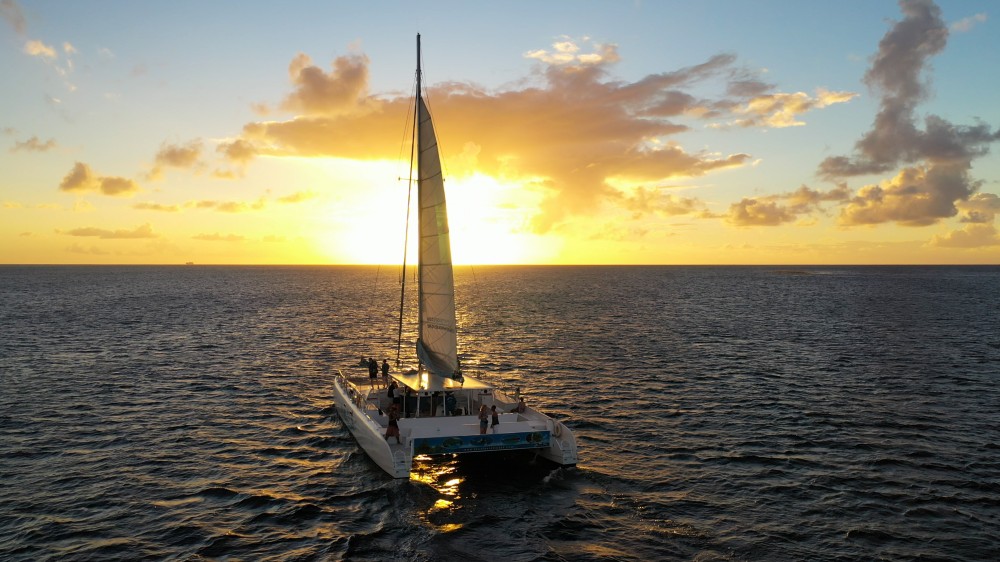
[{"x": 488, "y": 506}]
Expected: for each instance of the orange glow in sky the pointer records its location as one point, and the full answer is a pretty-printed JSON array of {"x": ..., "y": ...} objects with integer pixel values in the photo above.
[{"x": 664, "y": 136}]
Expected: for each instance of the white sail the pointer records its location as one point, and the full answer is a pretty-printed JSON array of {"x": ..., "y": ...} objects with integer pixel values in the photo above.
[{"x": 437, "y": 346}]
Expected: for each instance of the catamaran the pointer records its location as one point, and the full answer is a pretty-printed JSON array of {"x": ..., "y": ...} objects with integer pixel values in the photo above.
[{"x": 434, "y": 408}]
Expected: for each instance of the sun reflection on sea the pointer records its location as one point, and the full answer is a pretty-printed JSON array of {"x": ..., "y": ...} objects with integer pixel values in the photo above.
[{"x": 441, "y": 477}]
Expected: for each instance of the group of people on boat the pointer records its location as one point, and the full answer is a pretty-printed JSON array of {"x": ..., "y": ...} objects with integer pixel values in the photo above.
[{"x": 373, "y": 371}]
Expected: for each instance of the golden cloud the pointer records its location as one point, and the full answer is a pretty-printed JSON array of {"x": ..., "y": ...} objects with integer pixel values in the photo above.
[
  {"x": 774, "y": 210},
  {"x": 297, "y": 197},
  {"x": 216, "y": 237},
  {"x": 568, "y": 136},
  {"x": 916, "y": 196},
  {"x": 780, "y": 110},
  {"x": 971, "y": 236},
  {"x": 36, "y": 48},
  {"x": 229, "y": 206},
  {"x": 980, "y": 208},
  {"x": 758, "y": 212},
  {"x": 156, "y": 207},
  {"x": 142, "y": 231}
]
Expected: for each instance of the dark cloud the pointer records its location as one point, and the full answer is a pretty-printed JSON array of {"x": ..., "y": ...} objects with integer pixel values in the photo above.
[
  {"x": 774, "y": 210},
  {"x": 343, "y": 90},
  {"x": 238, "y": 151},
  {"x": 184, "y": 156},
  {"x": 936, "y": 158},
  {"x": 980, "y": 208},
  {"x": 81, "y": 179},
  {"x": 758, "y": 212},
  {"x": 916, "y": 196},
  {"x": 12, "y": 14}
]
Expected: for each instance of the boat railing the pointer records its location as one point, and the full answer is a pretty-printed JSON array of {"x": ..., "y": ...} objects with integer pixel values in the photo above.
[{"x": 508, "y": 393}]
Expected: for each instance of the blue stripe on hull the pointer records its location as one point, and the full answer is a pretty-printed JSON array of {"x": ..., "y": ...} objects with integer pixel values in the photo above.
[{"x": 480, "y": 443}]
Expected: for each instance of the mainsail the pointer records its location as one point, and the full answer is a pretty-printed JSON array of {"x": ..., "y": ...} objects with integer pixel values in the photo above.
[{"x": 437, "y": 346}]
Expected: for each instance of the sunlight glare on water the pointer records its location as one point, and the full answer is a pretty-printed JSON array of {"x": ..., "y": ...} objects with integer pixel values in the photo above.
[{"x": 722, "y": 413}]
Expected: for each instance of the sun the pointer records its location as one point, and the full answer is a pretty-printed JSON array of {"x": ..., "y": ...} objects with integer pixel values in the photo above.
[
  {"x": 360, "y": 217},
  {"x": 488, "y": 222}
]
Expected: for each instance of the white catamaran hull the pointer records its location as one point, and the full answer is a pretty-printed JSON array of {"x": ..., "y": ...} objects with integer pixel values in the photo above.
[
  {"x": 353, "y": 409},
  {"x": 362, "y": 408}
]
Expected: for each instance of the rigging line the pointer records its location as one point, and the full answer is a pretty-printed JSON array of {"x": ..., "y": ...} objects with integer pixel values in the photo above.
[
  {"x": 374, "y": 290},
  {"x": 406, "y": 235},
  {"x": 407, "y": 128}
]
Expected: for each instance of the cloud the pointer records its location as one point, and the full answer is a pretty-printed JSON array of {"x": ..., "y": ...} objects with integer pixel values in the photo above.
[
  {"x": 238, "y": 151},
  {"x": 156, "y": 207},
  {"x": 216, "y": 237},
  {"x": 644, "y": 200},
  {"x": 342, "y": 91},
  {"x": 780, "y": 110},
  {"x": 971, "y": 236},
  {"x": 774, "y": 210},
  {"x": 935, "y": 159},
  {"x": 36, "y": 48},
  {"x": 11, "y": 12},
  {"x": 81, "y": 179},
  {"x": 966, "y": 24},
  {"x": 758, "y": 212},
  {"x": 916, "y": 196},
  {"x": 566, "y": 135},
  {"x": 33, "y": 145},
  {"x": 567, "y": 52},
  {"x": 297, "y": 197},
  {"x": 229, "y": 206},
  {"x": 184, "y": 156},
  {"x": 49, "y": 54},
  {"x": 980, "y": 208},
  {"x": 142, "y": 231}
]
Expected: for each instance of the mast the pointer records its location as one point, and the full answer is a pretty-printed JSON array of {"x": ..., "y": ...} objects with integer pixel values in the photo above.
[{"x": 420, "y": 222}]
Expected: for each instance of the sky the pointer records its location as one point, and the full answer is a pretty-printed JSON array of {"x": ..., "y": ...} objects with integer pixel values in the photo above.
[{"x": 590, "y": 132}]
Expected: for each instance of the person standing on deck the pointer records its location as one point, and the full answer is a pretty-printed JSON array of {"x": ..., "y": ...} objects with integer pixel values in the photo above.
[
  {"x": 385, "y": 371},
  {"x": 373, "y": 371},
  {"x": 496, "y": 418},
  {"x": 483, "y": 419},
  {"x": 392, "y": 392},
  {"x": 393, "y": 429}
]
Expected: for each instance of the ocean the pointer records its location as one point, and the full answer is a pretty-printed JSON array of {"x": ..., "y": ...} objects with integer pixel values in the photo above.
[{"x": 723, "y": 413}]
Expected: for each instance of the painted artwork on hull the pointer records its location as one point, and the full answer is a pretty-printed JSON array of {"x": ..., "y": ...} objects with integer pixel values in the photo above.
[{"x": 480, "y": 443}]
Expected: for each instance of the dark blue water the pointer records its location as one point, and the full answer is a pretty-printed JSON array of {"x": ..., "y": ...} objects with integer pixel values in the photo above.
[{"x": 723, "y": 413}]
